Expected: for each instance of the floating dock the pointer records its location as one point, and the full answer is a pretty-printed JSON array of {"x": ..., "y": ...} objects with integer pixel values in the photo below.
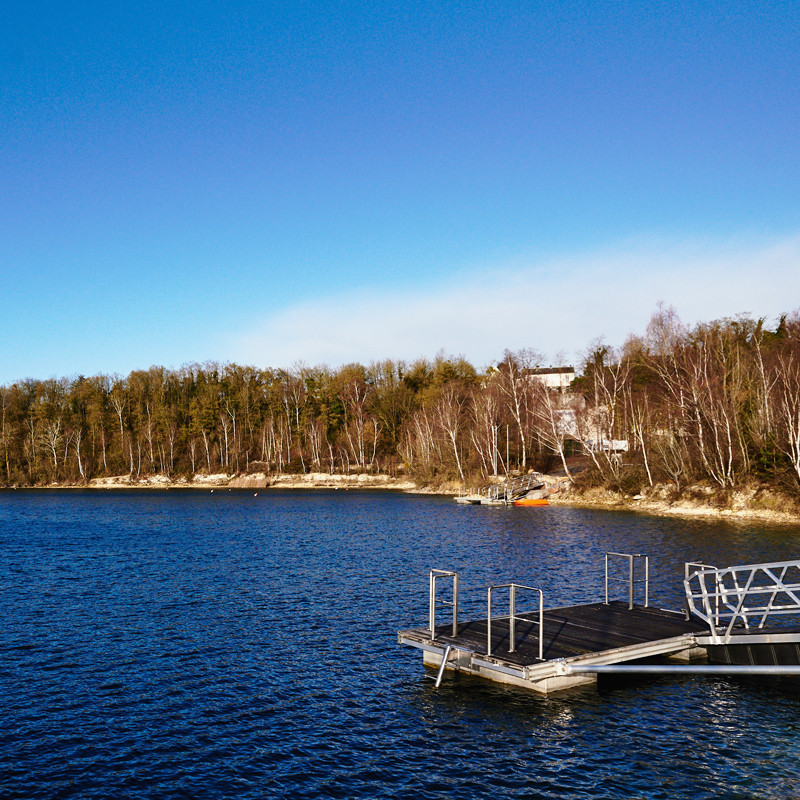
[{"x": 549, "y": 650}]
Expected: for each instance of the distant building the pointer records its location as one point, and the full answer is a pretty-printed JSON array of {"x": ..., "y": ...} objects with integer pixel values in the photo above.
[
  {"x": 558, "y": 379},
  {"x": 607, "y": 445}
]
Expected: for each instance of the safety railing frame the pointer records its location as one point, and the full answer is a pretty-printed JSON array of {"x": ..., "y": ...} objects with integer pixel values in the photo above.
[
  {"x": 631, "y": 580},
  {"x": 433, "y": 576},
  {"x": 512, "y": 616},
  {"x": 725, "y": 602},
  {"x": 689, "y": 567}
]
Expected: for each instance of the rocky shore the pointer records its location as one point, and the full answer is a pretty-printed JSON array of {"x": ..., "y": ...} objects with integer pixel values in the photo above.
[
  {"x": 256, "y": 480},
  {"x": 752, "y": 504}
]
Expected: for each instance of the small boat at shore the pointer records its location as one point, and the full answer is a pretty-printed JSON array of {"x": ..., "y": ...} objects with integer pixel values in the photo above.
[{"x": 532, "y": 501}]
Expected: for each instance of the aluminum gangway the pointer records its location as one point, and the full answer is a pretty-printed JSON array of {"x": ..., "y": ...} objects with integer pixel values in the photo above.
[
  {"x": 504, "y": 493},
  {"x": 752, "y": 611},
  {"x": 515, "y": 488}
]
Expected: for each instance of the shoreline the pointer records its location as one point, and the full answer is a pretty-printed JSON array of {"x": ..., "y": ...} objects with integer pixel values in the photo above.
[
  {"x": 738, "y": 510},
  {"x": 684, "y": 509},
  {"x": 257, "y": 481}
]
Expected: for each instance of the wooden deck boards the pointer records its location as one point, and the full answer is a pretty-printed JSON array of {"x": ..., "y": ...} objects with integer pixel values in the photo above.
[{"x": 572, "y": 631}]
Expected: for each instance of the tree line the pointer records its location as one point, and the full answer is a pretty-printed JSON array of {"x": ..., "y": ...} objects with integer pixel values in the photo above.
[{"x": 718, "y": 402}]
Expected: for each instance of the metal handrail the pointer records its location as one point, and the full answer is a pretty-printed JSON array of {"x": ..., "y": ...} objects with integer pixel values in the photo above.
[
  {"x": 631, "y": 579},
  {"x": 698, "y": 565},
  {"x": 512, "y": 616},
  {"x": 749, "y": 594},
  {"x": 689, "y": 567},
  {"x": 434, "y": 576}
]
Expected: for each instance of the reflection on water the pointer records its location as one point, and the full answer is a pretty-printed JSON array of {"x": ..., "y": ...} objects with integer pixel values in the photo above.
[{"x": 214, "y": 645}]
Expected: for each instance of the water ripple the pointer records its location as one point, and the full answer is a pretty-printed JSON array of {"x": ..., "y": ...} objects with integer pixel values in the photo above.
[{"x": 196, "y": 645}]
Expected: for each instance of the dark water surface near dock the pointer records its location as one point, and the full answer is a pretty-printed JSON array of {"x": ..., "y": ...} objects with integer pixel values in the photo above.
[{"x": 199, "y": 645}]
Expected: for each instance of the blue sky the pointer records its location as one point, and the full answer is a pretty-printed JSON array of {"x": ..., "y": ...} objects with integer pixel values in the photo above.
[{"x": 269, "y": 183}]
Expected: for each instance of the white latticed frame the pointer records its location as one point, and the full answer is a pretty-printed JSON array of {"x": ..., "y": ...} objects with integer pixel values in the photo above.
[{"x": 744, "y": 596}]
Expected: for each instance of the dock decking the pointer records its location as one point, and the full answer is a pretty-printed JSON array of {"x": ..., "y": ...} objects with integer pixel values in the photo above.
[
  {"x": 573, "y": 631},
  {"x": 595, "y": 633}
]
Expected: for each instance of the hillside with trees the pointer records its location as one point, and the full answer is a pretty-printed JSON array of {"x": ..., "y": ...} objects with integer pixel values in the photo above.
[{"x": 716, "y": 404}]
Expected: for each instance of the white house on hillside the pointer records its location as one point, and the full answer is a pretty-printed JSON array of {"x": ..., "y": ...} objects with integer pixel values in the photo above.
[{"x": 556, "y": 378}]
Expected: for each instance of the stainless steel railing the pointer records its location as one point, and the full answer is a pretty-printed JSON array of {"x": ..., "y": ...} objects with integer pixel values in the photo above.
[
  {"x": 631, "y": 581},
  {"x": 746, "y": 595},
  {"x": 690, "y": 567},
  {"x": 512, "y": 616},
  {"x": 434, "y": 576}
]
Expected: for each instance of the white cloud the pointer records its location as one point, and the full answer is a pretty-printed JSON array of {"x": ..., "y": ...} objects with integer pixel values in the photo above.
[{"x": 554, "y": 307}]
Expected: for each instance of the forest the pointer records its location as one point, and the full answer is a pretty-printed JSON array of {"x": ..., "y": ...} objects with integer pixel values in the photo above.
[{"x": 716, "y": 403}]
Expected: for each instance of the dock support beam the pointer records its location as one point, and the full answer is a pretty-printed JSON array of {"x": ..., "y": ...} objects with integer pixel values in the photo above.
[{"x": 443, "y": 665}]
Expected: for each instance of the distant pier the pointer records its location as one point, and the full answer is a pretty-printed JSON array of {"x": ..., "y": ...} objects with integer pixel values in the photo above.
[{"x": 520, "y": 490}]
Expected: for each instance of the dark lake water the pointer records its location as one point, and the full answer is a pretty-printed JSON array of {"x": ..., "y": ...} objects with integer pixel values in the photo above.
[{"x": 199, "y": 645}]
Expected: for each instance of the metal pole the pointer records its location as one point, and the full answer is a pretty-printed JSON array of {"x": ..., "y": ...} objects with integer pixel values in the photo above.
[
  {"x": 689, "y": 669},
  {"x": 442, "y": 666},
  {"x": 606, "y": 578},
  {"x": 455, "y": 604},
  {"x": 646, "y": 581},
  {"x": 630, "y": 582},
  {"x": 432, "y": 606},
  {"x": 541, "y": 625},
  {"x": 489, "y": 625},
  {"x": 512, "y": 610}
]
